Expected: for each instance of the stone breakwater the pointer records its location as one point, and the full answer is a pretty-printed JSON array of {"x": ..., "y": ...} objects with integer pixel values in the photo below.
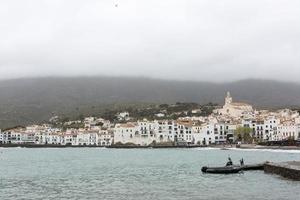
[{"x": 290, "y": 170}]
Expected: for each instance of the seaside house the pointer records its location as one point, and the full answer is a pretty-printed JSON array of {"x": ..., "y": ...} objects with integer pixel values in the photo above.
[
  {"x": 203, "y": 134},
  {"x": 12, "y": 136},
  {"x": 105, "y": 137},
  {"x": 125, "y": 133},
  {"x": 185, "y": 128},
  {"x": 288, "y": 130},
  {"x": 165, "y": 131},
  {"x": 70, "y": 137}
]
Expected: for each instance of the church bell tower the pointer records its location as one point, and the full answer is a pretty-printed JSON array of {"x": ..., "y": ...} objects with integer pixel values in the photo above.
[{"x": 228, "y": 99}]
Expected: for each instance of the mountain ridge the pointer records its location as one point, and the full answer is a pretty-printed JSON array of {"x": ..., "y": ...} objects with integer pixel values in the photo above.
[{"x": 30, "y": 100}]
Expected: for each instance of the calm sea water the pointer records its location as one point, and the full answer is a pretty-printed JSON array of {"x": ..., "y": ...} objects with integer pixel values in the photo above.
[{"x": 96, "y": 173}]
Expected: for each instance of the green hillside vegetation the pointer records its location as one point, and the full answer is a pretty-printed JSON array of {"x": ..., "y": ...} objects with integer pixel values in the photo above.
[{"x": 140, "y": 112}]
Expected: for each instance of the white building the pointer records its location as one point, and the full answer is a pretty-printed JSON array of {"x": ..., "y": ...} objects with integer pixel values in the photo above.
[
  {"x": 165, "y": 131},
  {"x": 50, "y": 138},
  {"x": 83, "y": 139},
  {"x": 70, "y": 137},
  {"x": 204, "y": 134},
  {"x": 125, "y": 133},
  {"x": 185, "y": 130},
  {"x": 123, "y": 116},
  {"x": 224, "y": 132},
  {"x": 105, "y": 138},
  {"x": 16, "y": 136},
  {"x": 148, "y": 132},
  {"x": 160, "y": 115},
  {"x": 288, "y": 130},
  {"x": 270, "y": 128}
]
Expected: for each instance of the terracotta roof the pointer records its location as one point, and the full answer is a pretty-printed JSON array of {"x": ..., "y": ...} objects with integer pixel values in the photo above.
[
  {"x": 127, "y": 125},
  {"x": 185, "y": 123}
]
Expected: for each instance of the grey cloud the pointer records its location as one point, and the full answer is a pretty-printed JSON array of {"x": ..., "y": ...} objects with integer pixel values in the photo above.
[{"x": 212, "y": 40}]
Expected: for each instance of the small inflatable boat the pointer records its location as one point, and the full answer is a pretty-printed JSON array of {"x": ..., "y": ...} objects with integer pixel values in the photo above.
[{"x": 222, "y": 170}]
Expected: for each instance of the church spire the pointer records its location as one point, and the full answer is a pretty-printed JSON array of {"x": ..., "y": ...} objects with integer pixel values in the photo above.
[
  {"x": 228, "y": 94},
  {"x": 228, "y": 98}
]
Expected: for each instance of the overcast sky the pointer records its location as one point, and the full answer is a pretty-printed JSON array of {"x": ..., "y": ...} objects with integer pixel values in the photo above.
[{"x": 211, "y": 40}]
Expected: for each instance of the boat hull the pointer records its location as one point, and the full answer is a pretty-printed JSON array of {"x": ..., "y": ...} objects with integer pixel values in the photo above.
[{"x": 221, "y": 170}]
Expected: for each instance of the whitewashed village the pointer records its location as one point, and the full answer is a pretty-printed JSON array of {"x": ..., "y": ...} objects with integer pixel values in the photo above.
[{"x": 220, "y": 127}]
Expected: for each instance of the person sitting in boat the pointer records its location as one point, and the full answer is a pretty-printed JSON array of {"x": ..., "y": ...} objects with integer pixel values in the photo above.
[
  {"x": 242, "y": 162},
  {"x": 229, "y": 163}
]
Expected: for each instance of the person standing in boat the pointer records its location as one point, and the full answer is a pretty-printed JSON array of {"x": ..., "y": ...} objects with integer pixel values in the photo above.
[
  {"x": 229, "y": 163},
  {"x": 242, "y": 162}
]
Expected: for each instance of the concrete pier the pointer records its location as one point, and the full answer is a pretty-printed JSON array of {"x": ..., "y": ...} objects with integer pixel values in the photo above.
[{"x": 290, "y": 170}]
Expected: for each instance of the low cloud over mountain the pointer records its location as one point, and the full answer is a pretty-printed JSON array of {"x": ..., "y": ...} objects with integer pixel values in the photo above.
[{"x": 25, "y": 101}]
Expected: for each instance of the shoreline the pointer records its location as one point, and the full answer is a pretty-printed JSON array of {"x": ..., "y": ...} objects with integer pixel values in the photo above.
[
  {"x": 258, "y": 147},
  {"x": 46, "y": 146},
  {"x": 94, "y": 146},
  {"x": 272, "y": 147},
  {"x": 221, "y": 147}
]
